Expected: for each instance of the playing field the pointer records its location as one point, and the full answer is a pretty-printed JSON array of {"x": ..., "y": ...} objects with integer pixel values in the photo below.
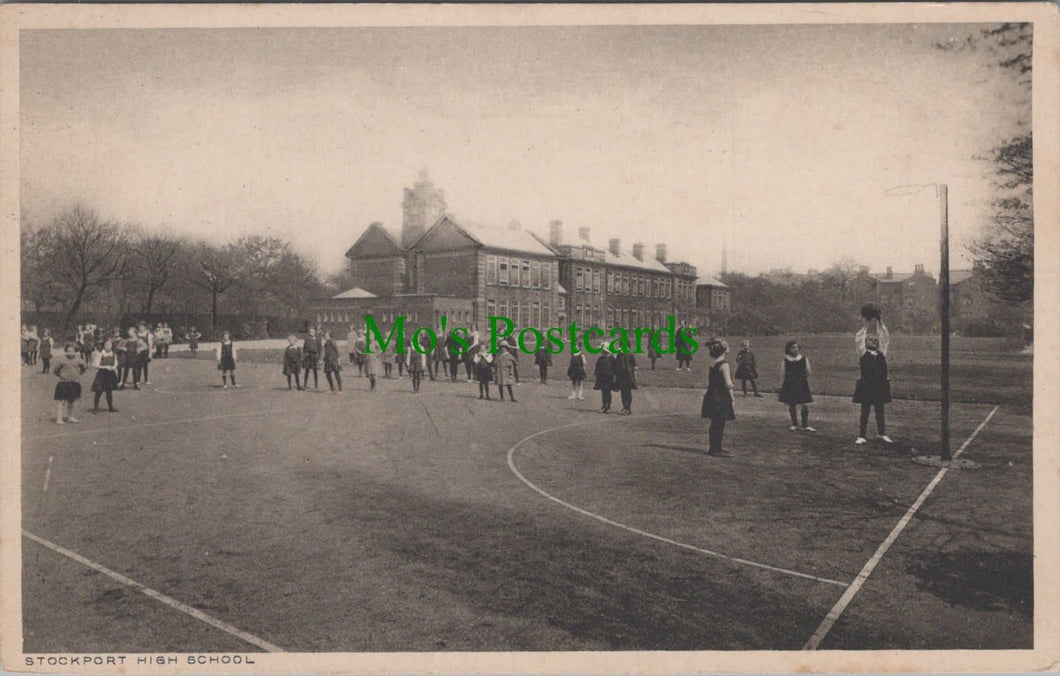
[{"x": 260, "y": 519}]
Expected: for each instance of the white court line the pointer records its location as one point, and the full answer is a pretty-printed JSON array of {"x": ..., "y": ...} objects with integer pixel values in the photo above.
[
  {"x": 158, "y": 596},
  {"x": 631, "y": 529},
  {"x": 870, "y": 565}
]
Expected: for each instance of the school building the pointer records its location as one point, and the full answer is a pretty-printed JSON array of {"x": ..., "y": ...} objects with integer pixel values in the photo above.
[{"x": 441, "y": 265}]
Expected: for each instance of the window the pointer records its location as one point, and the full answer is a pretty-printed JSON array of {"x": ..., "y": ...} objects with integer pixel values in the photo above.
[
  {"x": 625, "y": 284},
  {"x": 526, "y": 273},
  {"x": 502, "y": 268},
  {"x": 514, "y": 309},
  {"x": 535, "y": 316},
  {"x": 502, "y": 308},
  {"x": 491, "y": 269},
  {"x": 643, "y": 286},
  {"x": 578, "y": 279},
  {"x": 587, "y": 253},
  {"x": 491, "y": 308},
  {"x": 610, "y": 281},
  {"x": 536, "y": 274},
  {"x": 546, "y": 314},
  {"x": 546, "y": 273},
  {"x": 513, "y": 265},
  {"x": 578, "y": 316},
  {"x": 596, "y": 281},
  {"x": 636, "y": 285},
  {"x": 610, "y": 317}
]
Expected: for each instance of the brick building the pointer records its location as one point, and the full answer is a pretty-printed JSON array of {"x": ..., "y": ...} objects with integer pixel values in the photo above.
[
  {"x": 910, "y": 300},
  {"x": 713, "y": 306}
]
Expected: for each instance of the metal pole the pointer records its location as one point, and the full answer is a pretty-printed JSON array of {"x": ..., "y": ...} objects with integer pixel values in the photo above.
[{"x": 944, "y": 312}]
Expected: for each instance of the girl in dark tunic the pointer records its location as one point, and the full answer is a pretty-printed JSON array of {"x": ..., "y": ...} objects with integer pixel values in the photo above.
[
  {"x": 795, "y": 391},
  {"x": 483, "y": 363},
  {"x": 292, "y": 362},
  {"x": 192, "y": 336},
  {"x": 543, "y": 359},
  {"x": 717, "y": 402},
  {"x": 226, "y": 360},
  {"x": 873, "y": 389},
  {"x": 625, "y": 367},
  {"x": 747, "y": 368},
  {"x": 311, "y": 358},
  {"x": 332, "y": 363},
  {"x": 604, "y": 372},
  {"x": 576, "y": 373},
  {"x": 418, "y": 362},
  {"x": 46, "y": 344},
  {"x": 106, "y": 381}
]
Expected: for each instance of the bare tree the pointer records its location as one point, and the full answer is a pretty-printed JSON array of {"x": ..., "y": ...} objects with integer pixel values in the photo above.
[
  {"x": 87, "y": 253},
  {"x": 153, "y": 256},
  {"x": 217, "y": 275}
]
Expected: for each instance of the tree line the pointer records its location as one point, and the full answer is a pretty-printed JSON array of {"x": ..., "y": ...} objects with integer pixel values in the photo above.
[{"x": 83, "y": 265}]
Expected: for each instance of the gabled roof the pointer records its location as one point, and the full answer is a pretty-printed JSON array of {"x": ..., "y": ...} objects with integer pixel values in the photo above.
[
  {"x": 958, "y": 276},
  {"x": 624, "y": 257},
  {"x": 355, "y": 292},
  {"x": 376, "y": 240},
  {"x": 713, "y": 282},
  {"x": 488, "y": 236},
  {"x": 895, "y": 277}
]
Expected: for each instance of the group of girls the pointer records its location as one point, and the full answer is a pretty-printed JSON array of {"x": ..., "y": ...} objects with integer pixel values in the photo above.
[
  {"x": 500, "y": 368},
  {"x": 872, "y": 390},
  {"x": 318, "y": 349},
  {"x": 37, "y": 348}
]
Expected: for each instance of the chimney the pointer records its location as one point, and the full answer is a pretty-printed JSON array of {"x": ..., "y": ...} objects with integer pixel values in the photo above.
[
  {"x": 555, "y": 232},
  {"x": 638, "y": 251},
  {"x": 660, "y": 253},
  {"x": 890, "y": 273},
  {"x": 583, "y": 234},
  {"x": 918, "y": 269},
  {"x": 612, "y": 246}
]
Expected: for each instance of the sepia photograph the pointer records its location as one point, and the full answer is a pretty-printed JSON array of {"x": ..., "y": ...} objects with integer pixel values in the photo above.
[{"x": 461, "y": 339}]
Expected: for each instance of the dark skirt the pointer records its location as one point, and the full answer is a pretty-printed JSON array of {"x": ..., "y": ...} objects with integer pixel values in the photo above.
[
  {"x": 105, "y": 381},
  {"x": 872, "y": 392},
  {"x": 746, "y": 372},
  {"x": 291, "y": 368},
  {"x": 193, "y": 344},
  {"x": 795, "y": 392},
  {"x": 310, "y": 360},
  {"x": 604, "y": 382},
  {"x": 576, "y": 372},
  {"x": 717, "y": 404},
  {"x": 227, "y": 363},
  {"x": 332, "y": 366},
  {"x": 67, "y": 390}
]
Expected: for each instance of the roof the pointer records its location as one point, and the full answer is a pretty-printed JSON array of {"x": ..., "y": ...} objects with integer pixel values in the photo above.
[
  {"x": 713, "y": 282},
  {"x": 376, "y": 231},
  {"x": 895, "y": 277},
  {"x": 958, "y": 276},
  {"x": 355, "y": 292},
  {"x": 624, "y": 257},
  {"x": 502, "y": 238}
]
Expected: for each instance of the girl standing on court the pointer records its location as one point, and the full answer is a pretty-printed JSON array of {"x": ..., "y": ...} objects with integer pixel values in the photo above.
[
  {"x": 747, "y": 368},
  {"x": 371, "y": 367},
  {"x": 147, "y": 344},
  {"x": 417, "y": 365},
  {"x": 873, "y": 389},
  {"x": 105, "y": 361},
  {"x": 192, "y": 336},
  {"x": 505, "y": 372},
  {"x": 604, "y": 373},
  {"x": 795, "y": 390},
  {"x": 46, "y": 343},
  {"x": 332, "y": 363},
  {"x": 483, "y": 363},
  {"x": 311, "y": 358},
  {"x": 226, "y": 360},
  {"x": 543, "y": 359},
  {"x": 625, "y": 375},
  {"x": 576, "y": 373},
  {"x": 292, "y": 362},
  {"x": 717, "y": 402},
  {"x": 132, "y": 360},
  {"x": 68, "y": 389},
  {"x": 387, "y": 357}
]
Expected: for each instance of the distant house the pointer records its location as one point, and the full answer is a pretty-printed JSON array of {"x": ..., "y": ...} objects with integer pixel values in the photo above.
[
  {"x": 909, "y": 300},
  {"x": 713, "y": 306}
]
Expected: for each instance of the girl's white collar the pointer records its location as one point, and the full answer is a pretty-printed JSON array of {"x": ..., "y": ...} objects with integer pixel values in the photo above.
[{"x": 795, "y": 358}]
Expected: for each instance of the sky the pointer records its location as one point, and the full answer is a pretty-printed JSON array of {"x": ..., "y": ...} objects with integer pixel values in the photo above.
[{"x": 777, "y": 143}]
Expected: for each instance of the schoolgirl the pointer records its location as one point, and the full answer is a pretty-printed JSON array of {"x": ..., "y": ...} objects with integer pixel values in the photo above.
[
  {"x": 292, "y": 362},
  {"x": 543, "y": 359},
  {"x": 604, "y": 372},
  {"x": 131, "y": 347},
  {"x": 34, "y": 345},
  {"x": 25, "y": 345},
  {"x": 625, "y": 380},
  {"x": 483, "y": 363},
  {"x": 371, "y": 367},
  {"x": 226, "y": 360},
  {"x": 685, "y": 344},
  {"x": 332, "y": 364},
  {"x": 147, "y": 344},
  {"x": 795, "y": 390},
  {"x": 576, "y": 373},
  {"x": 472, "y": 351},
  {"x": 653, "y": 354},
  {"x": 105, "y": 361},
  {"x": 717, "y": 402},
  {"x": 68, "y": 389},
  {"x": 747, "y": 368},
  {"x": 193, "y": 336},
  {"x": 46, "y": 344},
  {"x": 387, "y": 357},
  {"x": 311, "y": 358},
  {"x": 417, "y": 364},
  {"x": 359, "y": 354},
  {"x": 505, "y": 371},
  {"x": 873, "y": 390}
]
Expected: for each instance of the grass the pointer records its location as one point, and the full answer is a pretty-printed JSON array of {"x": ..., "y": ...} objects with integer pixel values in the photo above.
[{"x": 389, "y": 521}]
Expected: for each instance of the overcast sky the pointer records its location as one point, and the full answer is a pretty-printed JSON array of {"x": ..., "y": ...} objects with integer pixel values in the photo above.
[{"x": 778, "y": 141}]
